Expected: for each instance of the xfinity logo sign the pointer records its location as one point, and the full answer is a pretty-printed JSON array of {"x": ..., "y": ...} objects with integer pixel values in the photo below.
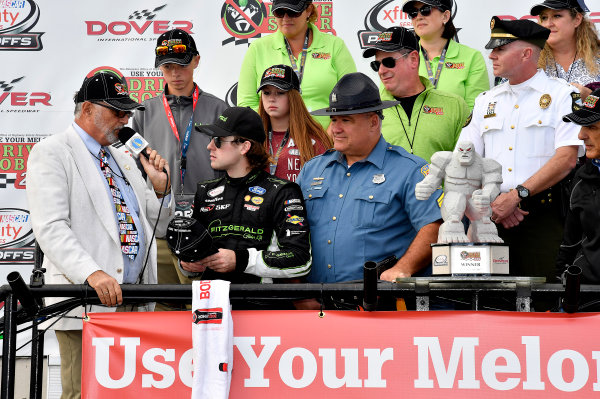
[{"x": 17, "y": 18}]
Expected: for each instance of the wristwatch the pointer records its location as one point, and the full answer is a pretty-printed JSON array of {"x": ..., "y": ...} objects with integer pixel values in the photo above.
[{"x": 522, "y": 192}]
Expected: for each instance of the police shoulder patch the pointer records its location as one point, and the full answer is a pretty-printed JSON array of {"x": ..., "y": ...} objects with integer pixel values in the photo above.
[{"x": 468, "y": 121}]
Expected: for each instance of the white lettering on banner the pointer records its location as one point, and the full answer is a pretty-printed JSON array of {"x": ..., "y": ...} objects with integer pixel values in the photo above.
[
  {"x": 102, "y": 361},
  {"x": 256, "y": 364},
  {"x": 149, "y": 361},
  {"x": 445, "y": 376},
  {"x": 309, "y": 368},
  {"x": 429, "y": 347}
]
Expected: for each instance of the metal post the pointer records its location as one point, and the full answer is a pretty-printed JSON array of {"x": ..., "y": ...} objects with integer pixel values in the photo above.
[
  {"x": 370, "y": 286},
  {"x": 37, "y": 362},
  {"x": 9, "y": 348}
]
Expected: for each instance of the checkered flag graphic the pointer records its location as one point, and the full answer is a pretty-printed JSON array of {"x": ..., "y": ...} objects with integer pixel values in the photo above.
[
  {"x": 7, "y": 180},
  {"x": 7, "y": 86},
  {"x": 146, "y": 14}
]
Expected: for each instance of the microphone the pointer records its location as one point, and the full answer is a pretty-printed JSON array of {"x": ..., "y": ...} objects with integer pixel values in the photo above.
[{"x": 134, "y": 142}]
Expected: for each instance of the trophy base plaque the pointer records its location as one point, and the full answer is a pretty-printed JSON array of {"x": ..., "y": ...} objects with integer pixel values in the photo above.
[{"x": 469, "y": 259}]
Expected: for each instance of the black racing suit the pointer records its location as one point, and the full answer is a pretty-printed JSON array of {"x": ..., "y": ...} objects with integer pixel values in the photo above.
[{"x": 263, "y": 219}]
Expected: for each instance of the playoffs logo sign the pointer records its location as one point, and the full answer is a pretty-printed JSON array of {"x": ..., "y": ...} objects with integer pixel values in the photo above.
[
  {"x": 249, "y": 19},
  {"x": 383, "y": 15},
  {"x": 138, "y": 24},
  {"x": 17, "y": 18}
]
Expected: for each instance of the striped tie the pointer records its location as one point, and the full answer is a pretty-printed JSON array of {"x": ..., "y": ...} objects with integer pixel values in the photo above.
[{"x": 127, "y": 231}]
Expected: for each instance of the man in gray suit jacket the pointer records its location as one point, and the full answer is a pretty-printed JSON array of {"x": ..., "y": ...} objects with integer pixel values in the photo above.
[{"x": 92, "y": 212}]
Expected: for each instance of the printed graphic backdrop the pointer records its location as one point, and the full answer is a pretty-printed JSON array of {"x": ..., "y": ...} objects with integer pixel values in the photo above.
[{"x": 48, "y": 46}]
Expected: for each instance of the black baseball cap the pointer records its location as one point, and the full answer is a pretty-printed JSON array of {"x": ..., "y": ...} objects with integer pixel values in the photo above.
[
  {"x": 441, "y": 4},
  {"x": 236, "y": 121},
  {"x": 188, "y": 239},
  {"x": 294, "y": 5},
  {"x": 178, "y": 54},
  {"x": 107, "y": 87},
  {"x": 507, "y": 31},
  {"x": 354, "y": 93},
  {"x": 393, "y": 39},
  {"x": 589, "y": 112},
  {"x": 578, "y": 5},
  {"x": 281, "y": 76}
]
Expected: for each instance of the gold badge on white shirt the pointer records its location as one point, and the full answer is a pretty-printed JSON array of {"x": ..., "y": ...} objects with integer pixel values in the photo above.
[{"x": 545, "y": 101}]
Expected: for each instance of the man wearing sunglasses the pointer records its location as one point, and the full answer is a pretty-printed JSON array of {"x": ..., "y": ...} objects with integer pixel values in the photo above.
[
  {"x": 257, "y": 220},
  {"x": 168, "y": 124},
  {"x": 426, "y": 120},
  {"x": 91, "y": 211},
  {"x": 519, "y": 124}
]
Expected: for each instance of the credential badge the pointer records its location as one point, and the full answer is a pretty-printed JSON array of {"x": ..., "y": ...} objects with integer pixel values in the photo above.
[
  {"x": 545, "y": 101},
  {"x": 378, "y": 178}
]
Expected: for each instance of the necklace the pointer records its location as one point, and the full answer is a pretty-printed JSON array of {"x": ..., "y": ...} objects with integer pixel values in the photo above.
[{"x": 568, "y": 79}]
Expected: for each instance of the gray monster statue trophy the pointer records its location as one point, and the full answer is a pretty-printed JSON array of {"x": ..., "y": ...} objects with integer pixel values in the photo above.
[{"x": 471, "y": 183}]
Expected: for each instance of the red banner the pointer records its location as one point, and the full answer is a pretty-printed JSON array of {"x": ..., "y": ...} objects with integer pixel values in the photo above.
[{"x": 296, "y": 354}]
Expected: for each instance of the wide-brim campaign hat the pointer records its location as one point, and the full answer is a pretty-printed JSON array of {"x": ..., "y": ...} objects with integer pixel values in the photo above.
[
  {"x": 109, "y": 88},
  {"x": 294, "y": 5},
  {"x": 189, "y": 240},
  {"x": 578, "y": 5},
  {"x": 441, "y": 4},
  {"x": 175, "y": 55},
  {"x": 236, "y": 121},
  {"x": 507, "y": 31},
  {"x": 354, "y": 93},
  {"x": 281, "y": 76},
  {"x": 393, "y": 39},
  {"x": 589, "y": 112}
]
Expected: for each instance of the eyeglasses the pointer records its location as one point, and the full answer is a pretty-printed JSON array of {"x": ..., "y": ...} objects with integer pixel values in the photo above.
[
  {"x": 388, "y": 62},
  {"x": 118, "y": 113},
  {"x": 219, "y": 141},
  {"x": 176, "y": 48},
  {"x": 425, "y": 11},
  {"x": 280, "y": 13}
]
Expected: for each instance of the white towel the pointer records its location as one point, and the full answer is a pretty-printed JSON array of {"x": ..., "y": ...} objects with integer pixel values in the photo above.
[{"x": 212, "y": 336}]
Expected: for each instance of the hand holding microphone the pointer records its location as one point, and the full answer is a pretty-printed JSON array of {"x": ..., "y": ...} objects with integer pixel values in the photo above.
[{"x": 155, "y": 166}]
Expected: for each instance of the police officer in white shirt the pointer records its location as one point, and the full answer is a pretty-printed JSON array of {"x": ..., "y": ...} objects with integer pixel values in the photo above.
[{"x": 519, "y": 124}]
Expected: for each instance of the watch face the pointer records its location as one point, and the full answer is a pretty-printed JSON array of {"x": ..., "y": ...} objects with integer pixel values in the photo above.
[{"x": 523, "y": 192}]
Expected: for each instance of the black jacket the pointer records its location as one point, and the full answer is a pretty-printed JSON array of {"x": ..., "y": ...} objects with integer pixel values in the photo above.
[
  {"x": 581, "y": 241},
  {"x": 263, "y": 219}
]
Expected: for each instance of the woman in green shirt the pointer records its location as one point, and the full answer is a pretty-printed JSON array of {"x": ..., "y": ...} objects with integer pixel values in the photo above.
[
  {"x": 450, "y": 66},
  {"x": 319, "y": 59}
]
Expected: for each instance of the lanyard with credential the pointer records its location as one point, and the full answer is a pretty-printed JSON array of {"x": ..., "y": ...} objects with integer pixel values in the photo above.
[
  {"x": 300, "y": 72},
  {"x": 188, "y": 131},
  {"x": 273, "y": 165},
  {"x": 440, "y": 65}
]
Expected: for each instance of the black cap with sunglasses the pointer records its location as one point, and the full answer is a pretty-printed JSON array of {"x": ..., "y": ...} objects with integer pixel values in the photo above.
[
  {"x": 109, "y": 88},
  {"x": 578, "y": 5},
  {"x": 443, "y": 5},
  {"x": 175, "y": 46},
  {"x": 236, "y": 121},
  {"x": 393, "y": 39}
]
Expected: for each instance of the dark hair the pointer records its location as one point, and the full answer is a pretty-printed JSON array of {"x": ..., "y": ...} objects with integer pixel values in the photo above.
[
  {"x": 257, "y": 156},
  {"x": 449, "y": 30}
]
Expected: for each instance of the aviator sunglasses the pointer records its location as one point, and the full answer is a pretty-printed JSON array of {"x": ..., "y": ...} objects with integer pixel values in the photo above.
[
  {"x": 280, "y": 13},
  {"x": 388, "y": 62},
  {"x": 176, "y": 49},
  {"x": 425, "y": 11},
  {"x": 219, "y": 141},
  {"x": 118, "y": 113}
]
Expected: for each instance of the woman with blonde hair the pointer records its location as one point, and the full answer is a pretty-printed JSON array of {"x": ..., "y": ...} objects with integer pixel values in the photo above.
[
  {"x": 294, "y": 137},
  {"x": 572, "y": 51}
]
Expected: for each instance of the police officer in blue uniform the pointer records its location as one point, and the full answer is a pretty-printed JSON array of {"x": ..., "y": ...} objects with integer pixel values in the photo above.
[{"x": 360, "y": 196}]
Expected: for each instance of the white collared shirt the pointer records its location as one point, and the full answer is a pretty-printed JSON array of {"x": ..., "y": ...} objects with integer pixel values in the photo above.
[{"x": 521, "y": 126}]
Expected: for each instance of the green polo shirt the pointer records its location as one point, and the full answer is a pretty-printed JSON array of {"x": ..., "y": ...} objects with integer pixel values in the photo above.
[
  {"x": 328, "y": 59},
  {"x": 464, "y": 73},
  {"x": 435, "y": 123}
]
